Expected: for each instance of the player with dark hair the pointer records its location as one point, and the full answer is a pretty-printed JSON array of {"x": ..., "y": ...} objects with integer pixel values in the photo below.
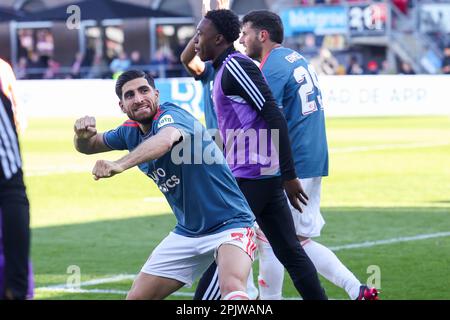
[
  {"x": 214, "y": 222},
  {"x": 203, "y": 71},
  {"x": 295, "y": 86},
  {"x": 244, "y": 106},
  {"x": 16, "y": 280}
]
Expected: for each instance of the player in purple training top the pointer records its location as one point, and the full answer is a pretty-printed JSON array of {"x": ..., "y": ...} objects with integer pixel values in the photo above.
[{"x": 249, "y": 122}]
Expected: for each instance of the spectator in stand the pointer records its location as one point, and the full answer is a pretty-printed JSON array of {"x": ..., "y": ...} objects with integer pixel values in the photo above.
[
  {"x": 21, "y": 69},
  {"x": 310, "y": 50},
  {"x": 180, "y": 71},
  {"x": 340, "y": 70},
  {"x": 325, "y": 62},
  {"x": 163, "y": 60},
  {"x": 372, "y": 67},
  {"x": 36, "y": 66},
  {"x": 44, "y": 45},
  {"x": 52, "y": 70},
  {"x": 120, "y": 65},
  {"x": 354, "y": 68},
  {"x": 136, "y": 60},
  {"x": 446, "y": 61},
  {"x": 75, "y": 72},
  {"x": 88, "y": 59},
  {"x": 99, "y": 68},
  {"x": 402, "y": 5},
  {"x": 386, "y": 68},
  {"x": 406, "y": 68},
  {"x": 26, "y": 42}
]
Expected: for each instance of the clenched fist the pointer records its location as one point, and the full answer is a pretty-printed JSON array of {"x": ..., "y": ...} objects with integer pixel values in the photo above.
[
  {"x": 106, "y": 169},
  {"x": 85, "y": 127}
]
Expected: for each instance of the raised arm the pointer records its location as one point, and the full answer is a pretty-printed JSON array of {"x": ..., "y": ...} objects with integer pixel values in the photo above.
[
  {"x": 191, "y": 61},
  {"x": 86, "y": 139},
  {"x": 152, "y": 148},
  {"x": 188, "y": 57}
]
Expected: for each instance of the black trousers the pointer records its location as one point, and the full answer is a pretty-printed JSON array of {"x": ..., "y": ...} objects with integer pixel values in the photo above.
[
  {"x": 15, "y": 237},
  {"x": 269, "y": 204}
]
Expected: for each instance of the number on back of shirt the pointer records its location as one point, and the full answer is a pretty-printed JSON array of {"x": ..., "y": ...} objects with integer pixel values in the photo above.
[{"x": 309, "y": 91}]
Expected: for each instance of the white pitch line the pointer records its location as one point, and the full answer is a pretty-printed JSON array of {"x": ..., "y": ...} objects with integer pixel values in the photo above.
[
  {"x": 97, "y": 281},
  {"x": 104, "y": 291},
  {"x": 389, "y": 146},
  {"x": 121, "y": 277},
  {"x": 93, "y": 282},
  {"x": 369, "y": 244},
  {"x": 68, "y": 290},
  {"x": 123, "y": 292}
]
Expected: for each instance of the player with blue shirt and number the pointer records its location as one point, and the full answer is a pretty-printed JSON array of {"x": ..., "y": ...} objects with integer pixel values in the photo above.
[
  {"x": 218, "y": 229},
  {"x": 295, "y": 87}
]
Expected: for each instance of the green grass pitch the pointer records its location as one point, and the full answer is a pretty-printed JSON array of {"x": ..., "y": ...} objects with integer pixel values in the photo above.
[{"x": 389, "y": 178}]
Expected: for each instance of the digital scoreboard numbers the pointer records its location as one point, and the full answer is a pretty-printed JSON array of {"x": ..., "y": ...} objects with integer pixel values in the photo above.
[{"x": 368, "y": 19}]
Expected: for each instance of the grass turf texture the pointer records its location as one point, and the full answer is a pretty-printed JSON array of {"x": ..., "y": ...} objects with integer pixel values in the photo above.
[{"x": 389, "y": 178}]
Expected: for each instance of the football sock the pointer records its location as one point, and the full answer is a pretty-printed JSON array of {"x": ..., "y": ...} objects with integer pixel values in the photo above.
[
  {"x": 271, "y": 273},
  {"x": 329, "y": 266}
]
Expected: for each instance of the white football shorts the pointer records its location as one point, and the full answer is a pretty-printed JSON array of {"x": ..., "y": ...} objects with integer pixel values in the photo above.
[
  {"x": 186, "y": 258},
  {"x": 309, "y": 224}
]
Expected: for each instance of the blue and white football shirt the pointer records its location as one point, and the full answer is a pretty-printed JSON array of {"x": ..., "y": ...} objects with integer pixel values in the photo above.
[
  {"x": 295, "y": 87},
  {"x": 205, "y": 198}
]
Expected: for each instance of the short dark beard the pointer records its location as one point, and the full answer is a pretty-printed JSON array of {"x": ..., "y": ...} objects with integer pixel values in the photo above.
[
  {"x": 256, "y": 54},
  {"x": 146, "y": 121}
]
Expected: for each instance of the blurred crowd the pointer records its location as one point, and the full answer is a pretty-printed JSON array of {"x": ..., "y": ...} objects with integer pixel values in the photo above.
[
  {"x": 37, "y": 61},
  {"x": 329, "y": 54},
  {"x": 166, "y": 64}
]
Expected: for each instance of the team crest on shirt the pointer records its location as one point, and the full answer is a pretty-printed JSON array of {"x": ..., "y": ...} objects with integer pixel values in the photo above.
[
  {"x": 294, "y": 56},
  {"x": 167, "y": 119}
]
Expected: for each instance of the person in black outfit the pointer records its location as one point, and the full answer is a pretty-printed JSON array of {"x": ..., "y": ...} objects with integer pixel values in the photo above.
[
  {"x": 243, "y": 101},
  {"x": 15, "y": 272}
]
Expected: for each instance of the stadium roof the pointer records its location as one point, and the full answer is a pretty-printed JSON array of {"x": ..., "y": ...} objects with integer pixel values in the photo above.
[
  {"x": 100, "y": 10},
  {"x": 7, "y": 14}
]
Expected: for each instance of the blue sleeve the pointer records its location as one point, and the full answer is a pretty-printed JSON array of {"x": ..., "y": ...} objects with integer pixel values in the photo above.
[
  {"x": 176, "y": 119},
  {"x": 205, "y": 75},
  {"x": 115, "y": 139}
]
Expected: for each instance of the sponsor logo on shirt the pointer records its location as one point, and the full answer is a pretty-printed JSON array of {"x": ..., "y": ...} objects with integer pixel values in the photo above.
[
  {"x": 167, "y": 119},
  {"x": 294, "y": 56},
  {"x": 164, "y": 182}
]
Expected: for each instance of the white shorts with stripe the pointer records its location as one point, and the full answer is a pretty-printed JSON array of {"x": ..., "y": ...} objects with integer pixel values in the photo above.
[
  {"x": 308, "y": 224},
  {"x": 185, "y": 258}
]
